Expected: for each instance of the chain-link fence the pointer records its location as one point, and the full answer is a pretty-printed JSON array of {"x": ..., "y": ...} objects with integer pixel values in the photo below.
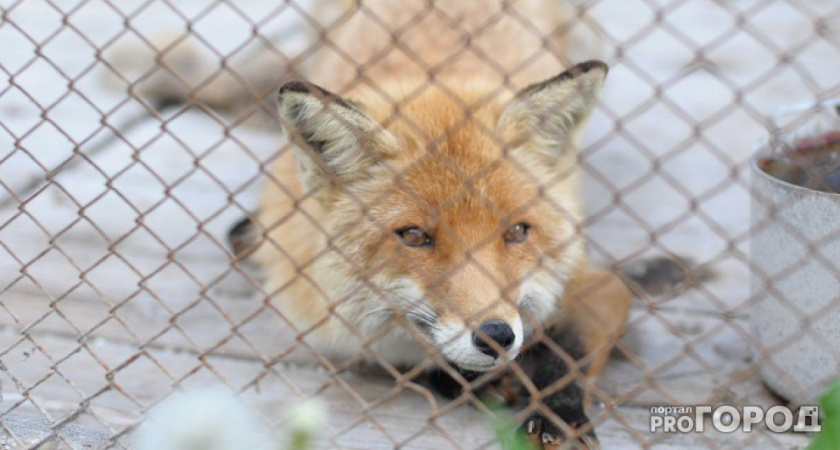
[{"x": 423, "y": 227}]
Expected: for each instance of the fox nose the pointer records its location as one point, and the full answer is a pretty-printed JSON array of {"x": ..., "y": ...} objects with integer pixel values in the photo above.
[{"x": 496, "y": 330}]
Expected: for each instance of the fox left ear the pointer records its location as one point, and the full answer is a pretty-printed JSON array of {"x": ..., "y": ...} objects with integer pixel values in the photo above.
[
  {"x": 337, "y": 143},
  {"x": 549, "y": 117}
]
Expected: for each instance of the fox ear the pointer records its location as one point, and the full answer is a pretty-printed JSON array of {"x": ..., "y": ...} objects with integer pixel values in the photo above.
[
  {"x": 336, "y": 142},
  {"x": 549, "y": 117}
]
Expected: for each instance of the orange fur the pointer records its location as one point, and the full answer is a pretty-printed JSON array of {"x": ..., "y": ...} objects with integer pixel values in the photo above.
[{"x": 456, "y": 154}]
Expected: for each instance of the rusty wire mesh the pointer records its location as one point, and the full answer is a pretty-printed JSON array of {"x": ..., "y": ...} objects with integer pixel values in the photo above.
[{"x": 118, "y": 191}]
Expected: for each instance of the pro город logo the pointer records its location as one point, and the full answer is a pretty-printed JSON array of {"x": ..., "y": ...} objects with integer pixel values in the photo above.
[{"x": 726, "y": 418}]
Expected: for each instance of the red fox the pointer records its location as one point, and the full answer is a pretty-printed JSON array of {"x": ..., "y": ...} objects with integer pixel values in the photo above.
[{"x": 429, "y": 207}]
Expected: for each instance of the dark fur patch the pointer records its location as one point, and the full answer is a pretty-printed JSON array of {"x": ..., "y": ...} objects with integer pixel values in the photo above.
[
  {"x": 446, "y": 385},
  {"x": 665, "y": 275},
  {"x": 571, "y": 73},
  {"x": 324, "y": 95},
  {"x": 243, "y": 238},
  {"x": 294, "y": 86},
  {"x": 546, "y": 368},
  {"x": 307, "y": 134},
  {"x": 565, "y": 402},
  {"x": 295, "y": 111}
]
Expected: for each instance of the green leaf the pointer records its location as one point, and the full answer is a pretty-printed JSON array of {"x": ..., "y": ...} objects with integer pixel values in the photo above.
[
  {"x": 829, "y": 437},
  {"x": 507, "y": 434}
]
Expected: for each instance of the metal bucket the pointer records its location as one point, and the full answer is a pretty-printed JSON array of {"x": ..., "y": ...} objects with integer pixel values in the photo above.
[{"x": 795, "y": 285}]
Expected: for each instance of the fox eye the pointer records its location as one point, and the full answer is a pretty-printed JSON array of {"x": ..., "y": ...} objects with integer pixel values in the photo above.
[
  {"x": 414, "y": 237},
  {"x": 517, "y": 233}
]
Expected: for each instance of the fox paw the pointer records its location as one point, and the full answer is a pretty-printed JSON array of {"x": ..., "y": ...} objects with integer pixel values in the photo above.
[{"x": 543, "y": 434}]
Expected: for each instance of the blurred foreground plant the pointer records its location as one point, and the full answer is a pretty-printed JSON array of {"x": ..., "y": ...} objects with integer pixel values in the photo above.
[
  {"x": 829, "y": 437},
  {"x": 216, "y": 419},
  {"x": 508, "y": 435}
]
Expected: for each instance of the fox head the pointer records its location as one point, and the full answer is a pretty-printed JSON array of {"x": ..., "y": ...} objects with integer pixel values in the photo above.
[{"x": 455, "y": 209}]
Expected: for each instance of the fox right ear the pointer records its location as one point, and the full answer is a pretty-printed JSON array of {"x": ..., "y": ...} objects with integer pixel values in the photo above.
[
  {"x": 547, "y": 118},
  {"x": 336, "y": 142}
]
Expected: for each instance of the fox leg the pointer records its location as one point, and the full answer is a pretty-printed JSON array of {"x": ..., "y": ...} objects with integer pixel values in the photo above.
[
  {"x": 565, "y": 401},
  {"x": 597, "y": 305},
  {"x": 596, "y": 308}
]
